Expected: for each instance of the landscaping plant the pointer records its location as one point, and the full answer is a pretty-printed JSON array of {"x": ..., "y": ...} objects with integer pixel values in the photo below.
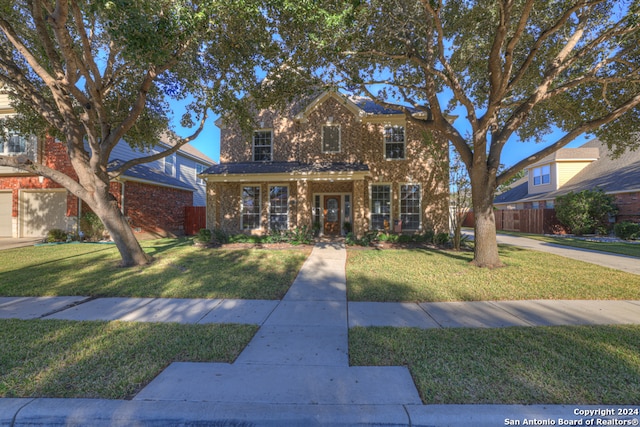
[{"x": 586, "y": 211}]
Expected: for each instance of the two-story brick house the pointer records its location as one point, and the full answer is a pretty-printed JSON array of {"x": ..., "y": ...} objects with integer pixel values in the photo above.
[
  {"x": 152, "y": 196},
  {"x": 327, "y": 161}
]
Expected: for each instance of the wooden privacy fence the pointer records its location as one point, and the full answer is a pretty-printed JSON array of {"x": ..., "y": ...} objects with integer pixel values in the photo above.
[
  {"x": 195, "y": 218},
  {"x": 534, "y": 221}
]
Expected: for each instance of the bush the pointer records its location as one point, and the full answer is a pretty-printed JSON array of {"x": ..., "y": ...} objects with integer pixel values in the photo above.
[
  {"x": 203, "y": 236},
  {"x": 627, "y": 230},
  {"x": 220, "y": 236},
  {"x": 586, "y": 211},
  {"x": 441, "y": 239},
  {"x": 300, "y": 236},
  {"x": 56, "y": 235},
  {"x": 91, "y": 226}
]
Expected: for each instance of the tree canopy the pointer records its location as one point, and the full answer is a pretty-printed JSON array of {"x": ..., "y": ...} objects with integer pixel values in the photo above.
[
  {"x": 92, "y": 73},
  {"x": 526, "y": 70}
]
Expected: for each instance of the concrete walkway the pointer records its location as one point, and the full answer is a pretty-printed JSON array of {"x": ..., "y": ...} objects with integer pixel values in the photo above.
[{"x": 296, "y": 370}]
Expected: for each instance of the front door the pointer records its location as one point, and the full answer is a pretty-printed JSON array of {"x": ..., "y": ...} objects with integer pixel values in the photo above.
[{"x": 332, "y": 215}]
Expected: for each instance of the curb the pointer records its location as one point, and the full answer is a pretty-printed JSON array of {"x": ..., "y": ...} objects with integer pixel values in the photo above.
[{"x": 117, "y": 413}]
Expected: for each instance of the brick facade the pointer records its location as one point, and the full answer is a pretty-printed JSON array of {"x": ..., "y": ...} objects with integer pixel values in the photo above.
[
  {"x": 628, "y": 206},
  {"x": 361, "y": 141},
  {"x": 151, "y": 209}
]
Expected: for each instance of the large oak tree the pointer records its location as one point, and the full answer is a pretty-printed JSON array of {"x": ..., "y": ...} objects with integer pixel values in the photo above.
[
  {"x": 92, "y": 73},
  {"x": 531, "y": 70}
]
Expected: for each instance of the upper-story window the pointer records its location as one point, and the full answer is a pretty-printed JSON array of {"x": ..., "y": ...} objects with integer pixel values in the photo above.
[
  {"x": 170, "y": 164},
  {"x": 542, "y": 175},
  {"x": 13, "y": 144},
  {"x": 199, "y": 169},
  {"x": 331, "y": 138},
  {"x": 262, "y": 146},
  {"x": 394, "y": 143}
]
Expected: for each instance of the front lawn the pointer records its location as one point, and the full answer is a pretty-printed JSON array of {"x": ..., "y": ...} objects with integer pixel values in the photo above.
[
  {"x": 110, "y": 360},
  {"x": 423, "y": 275},
  {"x": 572, "y": 365},
  {"x": 179, "y": 270}
]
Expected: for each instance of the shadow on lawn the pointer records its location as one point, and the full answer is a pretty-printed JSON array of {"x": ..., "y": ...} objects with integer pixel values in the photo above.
[{"x": 178, "y": 271}]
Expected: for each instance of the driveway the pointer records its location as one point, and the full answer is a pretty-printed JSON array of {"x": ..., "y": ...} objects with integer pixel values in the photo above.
[{"x": 10, "y": 242}]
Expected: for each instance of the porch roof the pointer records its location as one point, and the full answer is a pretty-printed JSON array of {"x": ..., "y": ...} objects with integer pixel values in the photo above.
[{"x": 284, "y": 171}]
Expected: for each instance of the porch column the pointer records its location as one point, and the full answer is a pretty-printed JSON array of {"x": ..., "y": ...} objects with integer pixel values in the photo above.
[
  {"x": 359, "y": 208},
  {"x": 212, "y": 201},
  {"x": 304, "y": 217}
]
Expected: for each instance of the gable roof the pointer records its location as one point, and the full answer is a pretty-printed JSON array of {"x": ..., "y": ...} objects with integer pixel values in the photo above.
[
  {"x": 612, "y": 175},
  {"x": 169, "y": 138},
  {"x": 145, "y": 174}
]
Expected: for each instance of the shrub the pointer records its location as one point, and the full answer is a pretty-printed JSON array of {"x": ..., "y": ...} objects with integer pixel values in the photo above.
[
  {"x": 403, "y": 238},
  {"x": 91, "y": 226},
  {"x": 300, "y": 236},
  {"x": 441, "y": 239},
  {"x": 203, "y": 236},
  {"x": 220, "y": 236},
  {"x": 627, "y": 230},
  {"x": 586, "y": 211},
  {"x": 56, "y": 235}
]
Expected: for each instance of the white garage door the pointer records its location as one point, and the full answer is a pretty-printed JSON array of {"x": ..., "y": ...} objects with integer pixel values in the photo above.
[
  {"x": 40, "y": 211},
  {"x": 5, "y": 214}
]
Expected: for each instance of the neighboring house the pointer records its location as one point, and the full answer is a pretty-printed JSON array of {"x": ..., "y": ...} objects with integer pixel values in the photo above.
[
  {"x": 324, "y": 162},
  {"x": 152, "y": 196},
  {"x": 587, "y": 167}
]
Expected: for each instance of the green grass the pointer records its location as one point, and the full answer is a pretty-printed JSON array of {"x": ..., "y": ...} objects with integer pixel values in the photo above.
[
  {"x": 428, "y": 275},
  {"x": 551, "y": 365},
  {"x": 179, "y": 270},
  {"x": 111, "y": 360},
  {"x": 622, "y": 248}
]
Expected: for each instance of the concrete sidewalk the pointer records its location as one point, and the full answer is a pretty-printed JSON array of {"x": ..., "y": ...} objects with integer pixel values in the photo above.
[{"x": 296, "y": 369}]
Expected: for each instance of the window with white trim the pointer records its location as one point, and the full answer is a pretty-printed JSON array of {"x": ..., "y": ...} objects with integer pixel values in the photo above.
[
  {"x": 542, "y": 175},
  {"x": 170, "y": 164},
  {"x": 394, "y": 142},
  {"x": 250, "y": 217},
  {"x": 278, "y": 207},
  {"x": 380, "y": 207},
  {"x": 410, "y": 206},
  {"x": 199, "y": 169},
  {"x": 331, "y": 138},
  {"x": 262, "y": 145},
  {"x": 12, "y": 144}
]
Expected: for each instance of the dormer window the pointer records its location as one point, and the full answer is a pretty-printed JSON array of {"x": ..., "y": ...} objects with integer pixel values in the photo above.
[
  {"x": 331, "y": 138},
  {"x": 262, "y": 147},
  {"x": 394, "y": 142},
  {"x": 542, "y": 175}
]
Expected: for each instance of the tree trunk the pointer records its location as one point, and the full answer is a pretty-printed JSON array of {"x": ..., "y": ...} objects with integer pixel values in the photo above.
[
  {"x": 486, "y": 244},
  {"x": 105, "y": 206},
  {"x": 122, "y": 235}
]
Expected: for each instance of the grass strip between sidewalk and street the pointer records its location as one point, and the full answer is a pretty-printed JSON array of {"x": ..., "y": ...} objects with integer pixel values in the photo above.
[
  {"x": 179, "y": 270},
  {"x": 110, "y": 360},
  {"x": 621, "y": 248},
  {"x": 423, "y": 275},
  {"x": 518, "y": 365}
]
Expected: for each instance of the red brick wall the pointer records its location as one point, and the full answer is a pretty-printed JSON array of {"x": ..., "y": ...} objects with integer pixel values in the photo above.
[
  {"x": 155, "y": 210},
  {"x": 628, "y": 207},
  {"x": 56, "y": 158}
]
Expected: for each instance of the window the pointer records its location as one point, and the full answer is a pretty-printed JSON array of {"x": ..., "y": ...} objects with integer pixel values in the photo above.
[
  {"x": 14, "y": 144},
  {"x": 250, "y": 208},
  {"x": 549, "y": 204},
  {"x": 331, "y": 139},
  {"x": 170, "y": 164},
  {"x": 262, "y": 146},
  {"x": 535, "y": 205},
  {"x": 410, "y": 206},
  {"x": 278, "y": 208},
  {"x": 542, "y": 175},
  {"x": 394, "y": 142},
  {"x": 380, "y": 207},
  {"x": 199, "y": 169}
]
